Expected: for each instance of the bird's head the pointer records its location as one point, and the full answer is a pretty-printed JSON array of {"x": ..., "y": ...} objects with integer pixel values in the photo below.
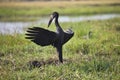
[{"x": 54, "y": 15}]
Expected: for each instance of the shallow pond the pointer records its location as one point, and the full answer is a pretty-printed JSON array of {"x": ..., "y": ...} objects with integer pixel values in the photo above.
[{"x": 18, "y": 27}]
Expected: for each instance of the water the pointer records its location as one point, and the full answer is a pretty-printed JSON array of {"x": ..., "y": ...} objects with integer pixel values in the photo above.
[
  {"x": 18, "y": 27},
  {"x": 13, "y": 27}
]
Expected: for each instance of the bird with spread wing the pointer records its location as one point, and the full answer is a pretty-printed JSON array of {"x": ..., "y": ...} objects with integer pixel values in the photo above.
[{"x": 44, "y": 37}]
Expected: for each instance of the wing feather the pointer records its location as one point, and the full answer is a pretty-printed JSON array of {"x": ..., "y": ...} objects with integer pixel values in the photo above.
[
  {"x": 41, "y": 36},
  {"x": 67, "y": 36}
]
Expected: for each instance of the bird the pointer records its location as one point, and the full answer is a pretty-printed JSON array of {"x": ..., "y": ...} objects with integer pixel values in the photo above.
[{"x": 44, "y": 37}]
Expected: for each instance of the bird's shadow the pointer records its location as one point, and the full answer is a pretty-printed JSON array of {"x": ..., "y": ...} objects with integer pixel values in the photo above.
[{"x": 38, "y": 64}]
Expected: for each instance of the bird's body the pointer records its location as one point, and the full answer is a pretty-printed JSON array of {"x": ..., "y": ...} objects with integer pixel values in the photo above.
[{"x": 45, "y": 37}]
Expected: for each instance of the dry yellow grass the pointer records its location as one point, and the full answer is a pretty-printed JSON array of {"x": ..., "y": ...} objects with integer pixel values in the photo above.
[{"x": 57, "y": 3}]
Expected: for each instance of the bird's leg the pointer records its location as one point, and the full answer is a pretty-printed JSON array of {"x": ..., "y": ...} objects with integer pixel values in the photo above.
[{"x": 59, "y": 50}]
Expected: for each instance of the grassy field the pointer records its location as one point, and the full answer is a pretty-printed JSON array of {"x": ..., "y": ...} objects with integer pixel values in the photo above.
[
  {"x": 94, "y": 57},
  {"x": 24, "y": 11},
  {"x": 97, "y": 57}
]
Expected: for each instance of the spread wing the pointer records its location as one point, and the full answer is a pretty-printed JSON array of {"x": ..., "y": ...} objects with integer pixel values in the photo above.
[
  {"x": 68, "y": 35},
  {"x": 41, "y": 36}
]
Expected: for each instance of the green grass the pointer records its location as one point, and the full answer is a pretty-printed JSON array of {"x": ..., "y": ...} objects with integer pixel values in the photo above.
[
  {"x": 95, "y": 58},
  {"x": 74, "y": 10},
  {"x": 12, "y": 12}
]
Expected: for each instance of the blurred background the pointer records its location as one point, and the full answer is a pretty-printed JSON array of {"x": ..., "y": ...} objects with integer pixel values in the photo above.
[{"x": 16, "y": 14}]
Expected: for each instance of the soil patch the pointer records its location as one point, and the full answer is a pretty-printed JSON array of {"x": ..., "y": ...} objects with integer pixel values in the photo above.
[{"x": 51, "y": 61}]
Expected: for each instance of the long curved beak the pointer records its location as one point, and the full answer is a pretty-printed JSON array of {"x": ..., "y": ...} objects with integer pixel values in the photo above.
[{"x": 50, "y": 21}]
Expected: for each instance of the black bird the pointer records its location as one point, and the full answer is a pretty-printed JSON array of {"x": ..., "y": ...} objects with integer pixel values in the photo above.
[{"x": 45, "y": 37}]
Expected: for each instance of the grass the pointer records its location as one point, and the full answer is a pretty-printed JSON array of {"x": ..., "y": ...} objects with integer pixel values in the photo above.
[
  {"x": 24, "y": 11},
  {"x": 94, "y": 58},
  {"x": 85, "y": 58}
]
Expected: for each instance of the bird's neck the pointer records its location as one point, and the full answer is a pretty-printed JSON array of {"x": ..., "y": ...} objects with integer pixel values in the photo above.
[{"x": 57, "y": 23}]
